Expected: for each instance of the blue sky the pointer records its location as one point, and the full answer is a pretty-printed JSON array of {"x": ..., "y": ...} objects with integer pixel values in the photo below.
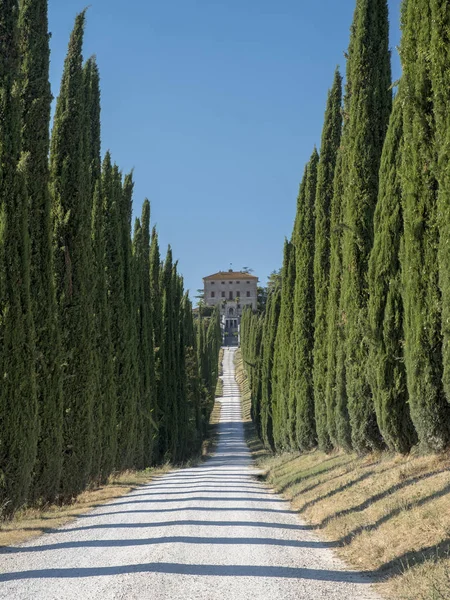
[{"x": 217, "y": 106}]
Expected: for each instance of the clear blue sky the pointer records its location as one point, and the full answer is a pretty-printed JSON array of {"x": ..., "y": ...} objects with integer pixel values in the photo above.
[{"x": 217, "y": 105}]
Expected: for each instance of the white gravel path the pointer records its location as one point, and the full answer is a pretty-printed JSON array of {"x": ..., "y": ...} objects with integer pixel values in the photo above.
[{"x": 209, "y": 532}]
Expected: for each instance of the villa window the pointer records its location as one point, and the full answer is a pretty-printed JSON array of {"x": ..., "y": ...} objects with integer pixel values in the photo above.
[
  {"x": 213, "y": 294},
  {"x": 223, "y": 294},
  {"x": 231, "y": 295},
  {"x": 248, "y": 294}
]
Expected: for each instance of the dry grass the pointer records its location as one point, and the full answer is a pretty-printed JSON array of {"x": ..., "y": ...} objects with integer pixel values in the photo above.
[
  {"x": 29, "y": 523},
  {"x": 386, "y": 514}
]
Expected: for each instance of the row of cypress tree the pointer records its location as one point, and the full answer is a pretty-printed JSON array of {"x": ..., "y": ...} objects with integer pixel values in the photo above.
[
  {"x": 353, "y": 350},
  {"x": 102, "y": 366}
]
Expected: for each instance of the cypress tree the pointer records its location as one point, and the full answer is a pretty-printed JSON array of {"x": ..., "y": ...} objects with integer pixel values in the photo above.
[
  {"x": 331, "y": 137},
  {"x": 302, "y": 339},
  {"x": 145, "y": 336},
  {"x": 91, "y": 169},
  {"x": 18, "y": 403},
  {"x": 269, "y": 336},
  {"x": 167, "y": 357},
  {"x": 142, "y": 405},
  {"x": 106, "y": 402},
  {"x": 155, "y": 290},
  {"x": 194, "y": 432},
  {"x": 36, "y": 100},
  {"x": 72, "y": 216},
  {"x": 282, "y": 351},
  {"x": 440, "y": 73},
  {"x": 156, "y": 318},
  {"x": 338, "y": 425},
  {"x": 420, "y": 259},
  {"x": 128, "y": 373},
  {"x": 387, "y": 373},
  {"x": 368, "y": 105},
  {"x": 111, "y": 189},
  {"x": 294, "y": 333}
]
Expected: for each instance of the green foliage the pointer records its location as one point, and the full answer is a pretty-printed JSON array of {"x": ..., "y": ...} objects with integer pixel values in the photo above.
[
  {"x": 331, "y": 137},
  {"x": 36, "y": 100},
  {"x": 73, "y": 260},
  {"x": 280, "y": 380},
  {"x": 368, "y": 105},
  {"x": 386, "y": 367},
  {"x": 269, "y": 333},
  {"x": 113, "y": 354},
  {"x": 18, "y": 406},
  {"x": 421, "y": 276},
  {"x": 302, "y": 338}
]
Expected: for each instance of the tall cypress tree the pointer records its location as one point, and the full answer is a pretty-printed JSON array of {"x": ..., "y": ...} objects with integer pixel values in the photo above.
[
  {"x": 387, "y": 373},
  {"x": 420, "y": 264},
  {"x": 269, "y": 336},
  {"x": 302, "y": 339},
  {"x": 282, "y": 351},
  {"x": 106, "y": 402},
  {"x": 36, "y": 101},
  {"x": 331, "y": 137},
  {"x": 91, "y": 169},
  {"x": 18, "y": 405},
  {"x": 141, "y": 251},
  {"x": 72, "y": 217},
  {"x": 167, "y": 396},
  {"x": 369, "y": 105},
  {"x": 338, "y": 427},
  {"x": 440, "y": 74},
  {"x": 156, "y": 318},
  {"x": 128, "y": 373}
]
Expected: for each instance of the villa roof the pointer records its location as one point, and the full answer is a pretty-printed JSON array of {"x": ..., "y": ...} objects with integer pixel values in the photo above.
[{"x": 231, "y": 275}]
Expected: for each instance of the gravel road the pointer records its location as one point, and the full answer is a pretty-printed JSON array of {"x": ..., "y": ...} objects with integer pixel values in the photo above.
[{"x": 209, "y": 532}]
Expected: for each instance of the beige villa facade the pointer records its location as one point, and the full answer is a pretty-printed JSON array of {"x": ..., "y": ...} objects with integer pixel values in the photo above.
[{"x": 232, "y": 291}]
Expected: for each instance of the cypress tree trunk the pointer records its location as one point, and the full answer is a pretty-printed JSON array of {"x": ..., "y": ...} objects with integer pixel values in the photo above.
[
  {"x": 387, "y": 373},
  {"x": 36, "y": 100},
  {"x": 72, "y": 215},
  {"x": 331, "y": 137},
  {"x": 302, "y": 339},
  {"x": 420, "y": 264},
  {"x": 282, "y": 351},
  {"x": 368, "y": 105},
  {"x": 18, "y": 403}
]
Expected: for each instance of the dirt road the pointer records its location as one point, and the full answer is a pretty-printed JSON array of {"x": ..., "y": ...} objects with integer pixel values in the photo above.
[{"x": 209, "y": 532}]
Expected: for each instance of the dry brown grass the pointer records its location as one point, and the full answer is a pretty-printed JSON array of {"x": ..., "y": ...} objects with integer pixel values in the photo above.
[
  {"x": 29, "y": 523},
  {"x": 386, "y": 514}
]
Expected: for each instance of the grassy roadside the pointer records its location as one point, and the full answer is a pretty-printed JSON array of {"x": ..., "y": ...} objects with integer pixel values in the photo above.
[
  {"x": 386, "y": 514},
  {"x": 32, "y": 522}
]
